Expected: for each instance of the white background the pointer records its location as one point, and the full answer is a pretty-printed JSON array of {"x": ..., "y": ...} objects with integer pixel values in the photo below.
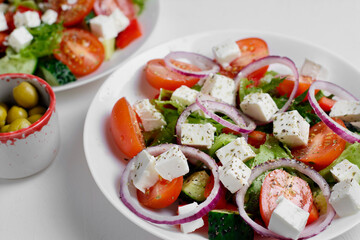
[{"x": 63, "y": 202}]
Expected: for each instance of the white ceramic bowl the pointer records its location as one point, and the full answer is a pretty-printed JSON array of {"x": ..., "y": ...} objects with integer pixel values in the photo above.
[{"x": 29, "y": 150}]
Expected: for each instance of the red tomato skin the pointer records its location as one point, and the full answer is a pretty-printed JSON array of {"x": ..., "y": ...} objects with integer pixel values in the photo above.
[
  {"x": 279, "y": 182},
  {"x": 313, "y": 216},
  {"x": 130, "y": 34},
  {"x": 81, "y": 51},
  {"x": 324, "y": 146},
  {"x": 326, "y": 103},
  {"x": 162, "y": 194},
  {"x": 256, "y": 138},
  {"x": 3, "y": 36},
  {"x": 125, "y": 129}
]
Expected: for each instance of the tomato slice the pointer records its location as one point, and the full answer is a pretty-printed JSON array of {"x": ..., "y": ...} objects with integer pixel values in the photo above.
[
  {"x": 159, "y": 76},
  {"x": 132, "y": 32},
  {"x": 71, "y": 14},
  {"x": 162, "y": 194},
  {"x": 251, "y": 50},
  {"x": 3, "y": 36},
  {"x": 286, "y": 86},
  {"x": 326, "y": 103},
  {"x": 9, "y": 17},
  {"x": 314, "y": 215},
  {"x": 324, "y": 146},
  {"x": 106, "y": 7},
  {"x": 125, "y": 129},
  {"x": 81, "y": 51},
  {"x": 279, "y": 182},
  {"x": 256, "y": 138}
]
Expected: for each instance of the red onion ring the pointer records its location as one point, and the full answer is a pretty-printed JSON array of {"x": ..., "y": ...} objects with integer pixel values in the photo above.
[
  {"x": 209, "y": 107},
  {"x": 262, "y": 62},
  {"x": 129, "y": 198},
  {"x": 315, "y": 228},
  {"x": 207, "y": 65},
  {"x": 339, "y": 92}
]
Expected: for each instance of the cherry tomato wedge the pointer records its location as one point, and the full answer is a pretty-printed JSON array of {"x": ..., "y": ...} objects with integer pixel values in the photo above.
[
  {"x": 72, "y": 14},
  {"x": 9, "y": 17},
  {"x": 326, "y": 103},
  {"x": 314, "y": 215},
  {"x": 125, "y": 129},
  {"x": 132, "y": 32},
  {"x": 159, "y": 76},
  {"x": 279, "y": 182},
  {"x": 256, "y": 138},
  {"x": 287, "y": 85},
  {"x": 324, "y": 146},
  {"x": 162, "y": 194},
  {"x": 251, "y": 50},
  {"x": 81, "y": 51}
]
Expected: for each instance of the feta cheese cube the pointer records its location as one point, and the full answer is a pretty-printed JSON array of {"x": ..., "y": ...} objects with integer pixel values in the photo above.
[
  {"x": 345, "y": 170},
  {"x": 345, "y": 197},
  {"x": 259, "y": 106},
  {"x": 193, "y": 225},
  {"x": 287, "y": 219},
  {"x": 103, "y": 27},
  {"x": 172, "y": 164},
  {"x": 234, "y": 174},
  {"x": 348, "y": 111},
  {"x": 220, "y": 87},
  {"x": 28, "y": 19},
  {"x": 238, "y": 148},
  {"x": 313, "y": 70},
  {"x": 71, "y": 2},
  {"x": 49, "y": 17},
  {"x": 3, "y": 23},
  {"x": 198, "y": 135},
  {"x": 65, "y": 7},
  {"x": 184, "y": 95},
  {"x": 120, "y": 20},
  {"x": 226, "y": 52},
  {"x": 4, "y": 7},
  {"x": 143, "y": 173},
  {"x": 19, "y": 38},
  {"x": 151, "y": 118},
  {"x": 291, "y": 128}
]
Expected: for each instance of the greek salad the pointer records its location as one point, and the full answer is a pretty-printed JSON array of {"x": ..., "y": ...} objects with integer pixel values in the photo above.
[
  {"x": 61, "y": 40},
  {"x": 233, "y": 149}
]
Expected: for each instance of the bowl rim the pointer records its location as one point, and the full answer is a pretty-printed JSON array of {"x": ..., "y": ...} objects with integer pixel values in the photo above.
[{"x": 36, "y": 126}]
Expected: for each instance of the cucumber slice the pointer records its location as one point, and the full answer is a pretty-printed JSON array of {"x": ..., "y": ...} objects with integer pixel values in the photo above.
[
  {"x": 17, "y": 65},
  {"x": 55, "y": 72},
  {"x": 109, "y": 46},
  {"x": 194, "y": 185},
  {"x": 228, "y": 225}
]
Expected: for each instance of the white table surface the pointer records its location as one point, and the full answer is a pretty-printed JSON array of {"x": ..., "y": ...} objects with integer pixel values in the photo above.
[{"x": 63, "y": 202}]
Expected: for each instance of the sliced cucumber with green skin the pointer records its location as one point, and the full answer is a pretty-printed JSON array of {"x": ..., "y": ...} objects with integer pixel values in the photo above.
[
  {"x": 17, "y": 65},
  {"x": 109, "y": 47},
  {"x": 228, "y": 225},
  {"x": 55, "y": 72},
  {"x": 194, "y": 185}
]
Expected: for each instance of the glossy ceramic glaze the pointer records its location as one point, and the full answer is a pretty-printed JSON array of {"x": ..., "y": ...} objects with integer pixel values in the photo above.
[{"x": 29, "y": 150}]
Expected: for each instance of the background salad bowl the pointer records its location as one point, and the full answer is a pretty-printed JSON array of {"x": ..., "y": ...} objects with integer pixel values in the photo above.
[
  {"x": 147, "y": 19},
  {"x": 103, "y": 157},
  {"x": 29, "y": 150}
]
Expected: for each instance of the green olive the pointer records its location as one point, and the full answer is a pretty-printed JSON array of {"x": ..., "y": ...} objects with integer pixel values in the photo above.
[
  {"x": 3, "y": 115},
  {"x": 5, "y": 128},
  {"x": 37, "y": 110},
  {"x": 4, "y": 106},
  {"x": 34, "y": 118},
  {"x": 14, "y": 113},
  {"x": 26, "y": 95},
  {"x": 18, "y": 124}
]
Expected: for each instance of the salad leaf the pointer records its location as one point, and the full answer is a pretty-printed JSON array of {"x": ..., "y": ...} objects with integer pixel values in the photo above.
[
  {"x": 140, "y": 4},
  {"x": 220, "y": 141},
  {"x": 46, "y": 39},
  {"x": 351, "y": 153}
]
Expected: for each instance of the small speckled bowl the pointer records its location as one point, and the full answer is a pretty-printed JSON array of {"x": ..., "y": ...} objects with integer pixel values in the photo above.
[{"x": 29, "y": 150}]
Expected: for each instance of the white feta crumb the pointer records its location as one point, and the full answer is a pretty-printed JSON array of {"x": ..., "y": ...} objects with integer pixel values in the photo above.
[
  {"x": 171, "y": 164},
  {"x": 150, "y": 117},
  {"x": 226, "y": 52},
  {"x": 197, "y": 135},
  {"x": 120, "y": 20},
  {"x": 4, "y": 7},
  {"x": 345, "y": 170},
  {"x": 313, "y": 70},
  {"x": 220, "y": 87},
  {"x": 348, "y": 111},
  {"x": 184, "y": 95},
  {"x": 345, "y": 198},
  {"x": 3, "y": 23},
  {"x": 49, "y": 17},
  {"x": 19, "y": 38},
  {"x": 238, "y": 148},
  {"x": 143, "y": 173},
  {"x": 103, "y": 27},
  {"x": 193, "y": 225},
  {"x": 259, "y": 106},
  {"x": 28, "y": 19},
  {"x": 291, "y": 128},
  {"x": 234, "y": 174}
]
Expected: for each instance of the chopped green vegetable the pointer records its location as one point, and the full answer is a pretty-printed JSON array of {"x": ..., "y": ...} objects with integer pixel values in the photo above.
[
  {"x": 140, "y": 4},
  {"x": 55, "y": 72},
  {"x": 220, "y": 141},
  {"x": 9, "y": 64},
  {"x": 194, "y": 185}
]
